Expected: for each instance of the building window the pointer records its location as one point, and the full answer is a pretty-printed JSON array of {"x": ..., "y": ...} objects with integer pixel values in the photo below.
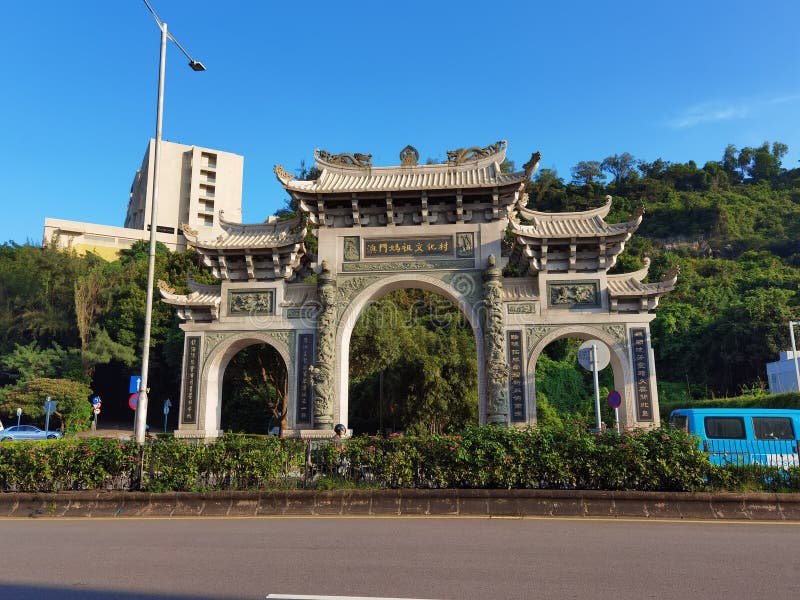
[{"x": 208, "y": 160}]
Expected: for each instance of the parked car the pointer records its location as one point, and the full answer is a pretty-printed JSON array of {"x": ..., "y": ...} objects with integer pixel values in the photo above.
[{"x": 27, "y": 432}]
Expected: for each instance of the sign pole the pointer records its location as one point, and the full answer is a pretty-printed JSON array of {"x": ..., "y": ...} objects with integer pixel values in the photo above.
[
  {"x": 616, "y": 418},
  {"x": 596, "y": 387},
  {"x": 47, "y": 415}
]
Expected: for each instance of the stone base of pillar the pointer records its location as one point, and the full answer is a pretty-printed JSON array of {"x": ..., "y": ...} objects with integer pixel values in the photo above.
[
  {"x": 323, "y": 423},
  {"x": 311, "y": 434},
  {"x": 198, "y": 434}
]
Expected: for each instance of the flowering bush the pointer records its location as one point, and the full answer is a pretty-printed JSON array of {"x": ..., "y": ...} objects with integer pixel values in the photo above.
[
  {"x": 559, "y": 456},
  {"x": 555, "y": 457}
]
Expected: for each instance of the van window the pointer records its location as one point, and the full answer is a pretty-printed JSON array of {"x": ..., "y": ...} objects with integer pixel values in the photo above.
[
  {"x": 729, "y": 428},
  {"x": 679, "y": 422},
  {"x": 773, "y": 428}
]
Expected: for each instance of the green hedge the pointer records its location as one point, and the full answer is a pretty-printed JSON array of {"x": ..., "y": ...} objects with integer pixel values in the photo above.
[
  {"x": 554, "y": 457},
  {"x": 564, "y": 457},
  {"x": 787, "y": 400}
]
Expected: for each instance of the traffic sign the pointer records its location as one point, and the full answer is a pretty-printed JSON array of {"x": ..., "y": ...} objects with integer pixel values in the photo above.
[
  {"x": 96, "y": 400},
  {"x": 585, "y": 355},
  {"x": 135, "y": 385},
  {"x": 614, "y": 399},
  {"x": 96, "y": 410},
  {"x": 132, "y": 400}
]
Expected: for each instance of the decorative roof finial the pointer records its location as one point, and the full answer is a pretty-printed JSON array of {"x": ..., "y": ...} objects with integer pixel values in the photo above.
[
  {"x": 409, "y": 156},
  {"x": 533, "y": 164}
]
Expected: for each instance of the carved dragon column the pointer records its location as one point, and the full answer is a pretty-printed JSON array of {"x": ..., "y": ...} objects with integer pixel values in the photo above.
[
  {"x": 322, "y": 371},
  {"x": 494, "y": 343}
]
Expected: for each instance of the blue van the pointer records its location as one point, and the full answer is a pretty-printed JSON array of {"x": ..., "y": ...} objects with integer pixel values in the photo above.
[{"x": 762, "y": 436}]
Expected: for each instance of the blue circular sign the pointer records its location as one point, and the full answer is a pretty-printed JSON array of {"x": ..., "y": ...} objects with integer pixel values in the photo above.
[{"x": 614, "y": 399}]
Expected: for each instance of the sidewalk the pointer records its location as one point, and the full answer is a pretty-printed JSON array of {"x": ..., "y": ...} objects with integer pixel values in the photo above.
[{"x": 410, "y": 503}]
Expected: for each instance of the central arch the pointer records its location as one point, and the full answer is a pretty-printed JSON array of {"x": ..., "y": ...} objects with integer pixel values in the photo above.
[{"x": 380, "y": 288}]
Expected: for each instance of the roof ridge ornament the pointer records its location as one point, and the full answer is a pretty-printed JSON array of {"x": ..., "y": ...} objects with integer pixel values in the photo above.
[
  {"x": 188, "y": 230},
  {"x": 165, "y": 287},
  {"x": 462, "y": 155},
  {"x": 532, "y": 165},
  {"x": 671, "y": 275},
  {"x": 409, "y": 156},
  {"x": 361, "y": 161},
  {"x": 282, "y": 174}
]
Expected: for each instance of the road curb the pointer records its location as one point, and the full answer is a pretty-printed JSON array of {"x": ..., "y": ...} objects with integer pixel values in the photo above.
[{"x": 472, "y": 503}]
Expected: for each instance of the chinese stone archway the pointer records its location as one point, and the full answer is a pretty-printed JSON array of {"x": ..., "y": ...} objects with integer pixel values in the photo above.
[{"x": 435, "y": 227}]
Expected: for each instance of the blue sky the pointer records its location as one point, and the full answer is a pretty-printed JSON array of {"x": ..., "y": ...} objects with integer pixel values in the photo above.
[{"x": 576, "y": 80}]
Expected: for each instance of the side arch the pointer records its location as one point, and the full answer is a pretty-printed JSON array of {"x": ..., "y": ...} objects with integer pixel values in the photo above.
[
  {"x": 620, "y": 365},
  {"x": 210, "y": 413},
  {"x": 380, "y": 288}
]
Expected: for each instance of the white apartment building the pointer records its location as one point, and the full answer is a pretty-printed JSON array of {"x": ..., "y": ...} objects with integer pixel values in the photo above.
[{"x": 194, "y": 185}]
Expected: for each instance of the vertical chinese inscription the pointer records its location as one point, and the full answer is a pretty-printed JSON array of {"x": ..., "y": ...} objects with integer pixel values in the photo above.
[
  {"x": 516, "y": 376},
  {"x": 190, "y": 376},
  {"x": 641, "y": 373},
  {"x": 305, "y": 389}
]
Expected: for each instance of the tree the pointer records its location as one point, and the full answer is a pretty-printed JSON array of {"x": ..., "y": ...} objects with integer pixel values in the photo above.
[
  {"x": 587, "y": 172},
  {"x": 621, "y": 166},
  {"x": 31, "y": 362},
  {"x": 546, "y": 181}
]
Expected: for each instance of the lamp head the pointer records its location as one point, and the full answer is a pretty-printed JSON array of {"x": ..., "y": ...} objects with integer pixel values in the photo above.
[{"x": 196, "y": 66}]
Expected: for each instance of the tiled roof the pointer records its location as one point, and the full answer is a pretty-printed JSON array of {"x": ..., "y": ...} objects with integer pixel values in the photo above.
[
  {"x": 630, "y": 284},
  {"x": 273, "y": 234},
  {"x": 588, "y": 223},
  {"x": 467, "y": 173},
  {"x": 209, "y": 296}
]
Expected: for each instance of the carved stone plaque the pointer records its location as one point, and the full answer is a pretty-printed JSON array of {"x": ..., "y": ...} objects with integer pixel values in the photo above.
[
  {"x": 251, "y": 303},
  {"x": 465, "y": 245},
  {"x": 571, "y": 294},
  {"x": 352, "y": 248}
]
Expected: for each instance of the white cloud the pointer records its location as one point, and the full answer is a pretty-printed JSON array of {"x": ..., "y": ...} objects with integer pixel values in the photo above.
[{"x": 709, "y": 112}]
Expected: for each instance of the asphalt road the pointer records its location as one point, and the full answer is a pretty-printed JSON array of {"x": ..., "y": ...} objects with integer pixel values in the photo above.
[{"x": 431, "y": 558}]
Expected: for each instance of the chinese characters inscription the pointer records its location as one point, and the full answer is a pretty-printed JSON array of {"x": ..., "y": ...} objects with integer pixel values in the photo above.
[{"x": 641, "y": 373}]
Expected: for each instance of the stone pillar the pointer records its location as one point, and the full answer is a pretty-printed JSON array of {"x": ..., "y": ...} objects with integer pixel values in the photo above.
[
  {"x": 494, "y": 343},
  {"x": 322, "y": 371}
]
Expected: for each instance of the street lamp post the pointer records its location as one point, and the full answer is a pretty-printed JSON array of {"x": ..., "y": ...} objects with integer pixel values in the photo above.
[
  {"x": 794, "y": 353},
  {"x": 141, "y": 407}
]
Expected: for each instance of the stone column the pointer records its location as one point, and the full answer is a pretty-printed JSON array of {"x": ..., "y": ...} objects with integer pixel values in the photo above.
[
  {"x": 322, "y": 371},
  {"x": 494, "y": 343}
]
